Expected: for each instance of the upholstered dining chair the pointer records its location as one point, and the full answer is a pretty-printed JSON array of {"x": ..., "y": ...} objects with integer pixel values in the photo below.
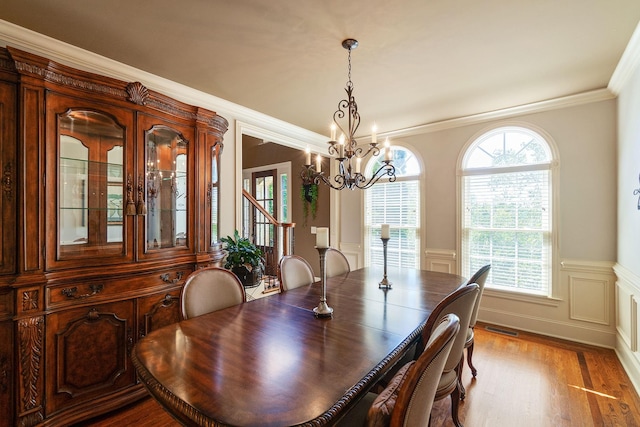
[
  {"x": 459, "y": 302},
  {"x": 210, "y": 289},
  {"x": 409, "y": 396},
  {"x": 336, "y": 263},
  {"x": 480, "y": 277},
  {"x": 294, "y": 272}
]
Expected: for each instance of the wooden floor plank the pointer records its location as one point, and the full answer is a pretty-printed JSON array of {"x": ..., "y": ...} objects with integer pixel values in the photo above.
[{"x": 523, "y": 381}]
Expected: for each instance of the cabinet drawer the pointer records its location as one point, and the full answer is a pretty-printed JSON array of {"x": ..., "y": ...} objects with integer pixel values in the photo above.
[{"x": 92, "y": 290}]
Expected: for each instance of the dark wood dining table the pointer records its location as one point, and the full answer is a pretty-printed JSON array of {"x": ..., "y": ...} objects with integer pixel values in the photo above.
[{"x": 270, "y": 362}]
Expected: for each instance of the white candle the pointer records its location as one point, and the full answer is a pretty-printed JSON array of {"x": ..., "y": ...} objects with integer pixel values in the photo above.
[
  {"x": 333, "y": 131},
  {"x": 318, "y": 163},
  {"x": 384, "y": 233},
  {"x": 307, "y": 153},
  {"x": 322, "y": 237},
  {"x": 358, "y": 160},
  {"x": 387, "y": 150},
  {"x": 374, "y": 136},
  {"x": 341, "y": 146}
]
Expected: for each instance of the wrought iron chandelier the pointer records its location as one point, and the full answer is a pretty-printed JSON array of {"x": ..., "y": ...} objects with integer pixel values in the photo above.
[{"x": 345, "y": 149}]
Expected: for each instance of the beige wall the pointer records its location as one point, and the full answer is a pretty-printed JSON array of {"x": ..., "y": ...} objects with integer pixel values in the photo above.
[{"x": 582, "y": 307}]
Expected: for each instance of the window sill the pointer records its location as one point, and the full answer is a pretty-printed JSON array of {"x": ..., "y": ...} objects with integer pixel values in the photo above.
[{"x": 518, "y": 296}]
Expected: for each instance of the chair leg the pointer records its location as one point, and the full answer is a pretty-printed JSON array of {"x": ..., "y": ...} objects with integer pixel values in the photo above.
[
  {"x": 455, "y": 402},
  {"x": 474, "y": 371},
  {"x": 463, "y": 391}
]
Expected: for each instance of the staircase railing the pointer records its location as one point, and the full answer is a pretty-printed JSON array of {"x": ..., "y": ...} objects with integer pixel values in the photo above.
[{"x": 274, "y": 238}]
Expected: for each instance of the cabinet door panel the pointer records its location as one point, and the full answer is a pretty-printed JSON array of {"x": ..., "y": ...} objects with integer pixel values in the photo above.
[
  {"x": 88, "y": 353},
  {"x": 89, "y": 154},
  {"x": 9, "y": 177},
  {"x": 157, "y": 311},
  {"x": 166, "y": 189}
]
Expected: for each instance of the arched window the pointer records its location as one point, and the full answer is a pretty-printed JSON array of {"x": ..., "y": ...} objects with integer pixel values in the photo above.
[
  {"x": 506, "y": 218},
  {"x": 397, "y": 204}
]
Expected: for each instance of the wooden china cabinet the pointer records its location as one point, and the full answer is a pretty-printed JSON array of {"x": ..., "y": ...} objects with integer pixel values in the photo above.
[{"x": 109, "y": 200}]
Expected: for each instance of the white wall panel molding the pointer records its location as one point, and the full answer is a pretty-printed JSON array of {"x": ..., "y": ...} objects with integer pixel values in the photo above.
[
  {"x": 353, "y": 252},
  {"x": 441, "y": 260},
  {"x": 589, "y": 299},
  {"x": 572, "y": 331},
  {"x": 630, "y": 362},
  {"x": 590, "y": 290},
  {"x": 628, "y": 322}
]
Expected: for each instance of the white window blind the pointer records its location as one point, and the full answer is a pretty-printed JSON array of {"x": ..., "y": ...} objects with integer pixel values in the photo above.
[
  {"x": 397, "y": 204},
  {"x": 506, "y": 218}
]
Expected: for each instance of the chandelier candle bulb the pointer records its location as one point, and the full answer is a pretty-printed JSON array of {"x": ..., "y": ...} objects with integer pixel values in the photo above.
[
  {"x": 384, "y": 232},
  {"x": 318, "y": 163},
  {"x": 358, "y": 160},
  {"x": 322, "y": 237},
  {"x": 333, "y": 132},
  {"x": 387, "y": 150},
  {"x": 307, "y": 153}
]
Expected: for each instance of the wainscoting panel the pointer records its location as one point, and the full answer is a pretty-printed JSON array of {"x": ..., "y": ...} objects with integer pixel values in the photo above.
[
  {"x": 628, "y": 322},
  {"x": 441, "y": 260},
  {"x": 589, "y": 299},
  {"x": 353, "y": 252}
]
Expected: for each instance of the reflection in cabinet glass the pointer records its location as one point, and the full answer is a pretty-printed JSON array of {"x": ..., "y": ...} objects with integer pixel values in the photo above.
[
  {"x": 166, "y": 183},
  {"x": 213, "y": 194},
  {"x": 90, "y": 196}
]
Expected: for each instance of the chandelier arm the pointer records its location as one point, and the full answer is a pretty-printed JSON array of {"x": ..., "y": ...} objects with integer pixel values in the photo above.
[
  {"x": 387, "y": 169},
  {"x": 319, "y": 177}
]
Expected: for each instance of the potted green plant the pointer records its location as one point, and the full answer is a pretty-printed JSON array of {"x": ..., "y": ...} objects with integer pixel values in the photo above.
[{"x": 243, "y": 258}]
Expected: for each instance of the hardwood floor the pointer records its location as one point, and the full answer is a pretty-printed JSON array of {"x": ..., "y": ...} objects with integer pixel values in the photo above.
[{"x": 526, "y": 380}]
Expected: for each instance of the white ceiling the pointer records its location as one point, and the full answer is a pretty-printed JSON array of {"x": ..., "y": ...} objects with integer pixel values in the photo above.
[{"x": 418, "y": 62}]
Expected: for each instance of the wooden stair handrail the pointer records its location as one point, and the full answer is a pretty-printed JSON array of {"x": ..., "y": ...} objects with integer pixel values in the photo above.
[
  {"x": 262, "y": 210},
  {"x": 286, "y": 226}
]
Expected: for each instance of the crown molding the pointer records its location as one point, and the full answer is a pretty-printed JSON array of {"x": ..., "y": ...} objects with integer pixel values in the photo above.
[
  {"x": 535, "y": 107},
  {"x": 628, "y": 63}
]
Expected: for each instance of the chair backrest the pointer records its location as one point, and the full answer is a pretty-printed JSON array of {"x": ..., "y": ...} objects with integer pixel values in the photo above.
[
  {"x": 210, "y": 289},
  {"x": 459, "y": 302},
  {"x": 480, "y": 277},
  {"x": 336, "y": 263},
  {"x": 417, "y": 392},
  {"x": 408, "y": 397},
  {"x": 295, "y": 271}
]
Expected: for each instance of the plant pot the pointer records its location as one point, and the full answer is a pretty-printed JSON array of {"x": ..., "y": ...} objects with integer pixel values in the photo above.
[
  {"x": 308, "y": 195},
  {"x": 249, "y": 279}
]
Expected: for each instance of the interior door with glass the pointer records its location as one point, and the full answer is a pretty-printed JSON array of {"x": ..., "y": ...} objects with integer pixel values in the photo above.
[{"x": 265, "y": 191}]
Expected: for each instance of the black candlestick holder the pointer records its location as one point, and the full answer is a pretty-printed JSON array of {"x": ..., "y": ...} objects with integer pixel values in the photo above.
[
  {"x": 385, "y": 283},
  {"x": 323, "y": 310}
]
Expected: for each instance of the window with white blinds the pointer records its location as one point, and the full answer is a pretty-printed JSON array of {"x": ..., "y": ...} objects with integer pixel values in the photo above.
[
  {"x": 397, "y": 204},
  {"x": 506, "y": 218}
]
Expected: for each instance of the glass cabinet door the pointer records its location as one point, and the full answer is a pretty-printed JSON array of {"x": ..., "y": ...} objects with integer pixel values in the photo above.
[
  {"x": 213, "y": 195},
  {"x": 167, "y": 190},
  {"x": 90, "y": 184}
]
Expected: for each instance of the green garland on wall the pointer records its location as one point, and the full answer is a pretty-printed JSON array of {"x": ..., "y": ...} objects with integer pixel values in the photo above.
[{"x": 309, "y": 197}]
